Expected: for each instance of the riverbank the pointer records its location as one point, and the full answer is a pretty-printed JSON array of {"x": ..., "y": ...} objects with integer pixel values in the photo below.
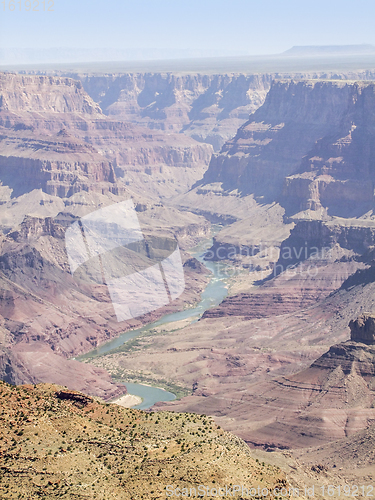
[
  {"x": 128, "y": 401},
  {"x": 111, "y": 355}
]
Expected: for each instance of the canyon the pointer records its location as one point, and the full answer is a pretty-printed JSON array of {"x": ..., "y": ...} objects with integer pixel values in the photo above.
[
  {"x": 52, "y": 174},
  {"x": 292, "y": 187},
  {"x": 301, "y": 269},
  {"x": 307, "y": 147}
]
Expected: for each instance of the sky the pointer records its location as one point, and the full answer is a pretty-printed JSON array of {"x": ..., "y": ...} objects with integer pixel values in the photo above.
[{"x": 247, "y": 26}]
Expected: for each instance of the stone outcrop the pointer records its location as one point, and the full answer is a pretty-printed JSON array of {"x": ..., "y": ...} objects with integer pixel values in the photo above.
[
  {"x": 76, "y": 397},
  {"x": 363, "y": 329},
  {"x": 349, "y": 356}
]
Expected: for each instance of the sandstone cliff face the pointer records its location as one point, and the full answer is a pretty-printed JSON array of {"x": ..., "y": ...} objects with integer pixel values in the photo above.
[
  {"x": 308, "y": 146},
  {"x": 60, "y": 165},
  {"x": 338, "y": 172},
  {"x": 209, "y": 108},
  {"x": 310, "y": 236},
  {"x": 55, "y": 137},
  {"x": 271, "y": 145},
  {"x": 23, "y": 93}
]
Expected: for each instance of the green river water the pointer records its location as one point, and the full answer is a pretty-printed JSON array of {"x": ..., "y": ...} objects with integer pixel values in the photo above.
[{"x": 213, "y": 294}]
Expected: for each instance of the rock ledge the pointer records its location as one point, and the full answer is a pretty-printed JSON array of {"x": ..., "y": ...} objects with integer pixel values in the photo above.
[{"x": 363, "y": 329}]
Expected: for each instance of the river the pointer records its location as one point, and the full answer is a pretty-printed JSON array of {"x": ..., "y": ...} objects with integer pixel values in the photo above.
[{"x": 214, "y": 293}]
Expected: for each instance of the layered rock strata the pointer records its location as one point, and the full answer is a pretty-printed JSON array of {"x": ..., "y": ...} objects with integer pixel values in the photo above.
[
  {"x": 61, "y": 158},
  {"x": 308, "y": 146},
  {"x": 315, "y": 260},
  {"x": 51, "y": 127},
  {"x": 208, "y": 108}
]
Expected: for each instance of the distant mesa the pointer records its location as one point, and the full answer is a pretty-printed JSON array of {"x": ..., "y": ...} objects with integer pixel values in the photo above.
[
  {"x": 363, "y": 329},
  {"x": 329, "y": 50}
]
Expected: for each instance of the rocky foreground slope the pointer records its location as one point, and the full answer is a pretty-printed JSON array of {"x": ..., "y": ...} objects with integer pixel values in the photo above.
[{"x": 55, "y": 443}]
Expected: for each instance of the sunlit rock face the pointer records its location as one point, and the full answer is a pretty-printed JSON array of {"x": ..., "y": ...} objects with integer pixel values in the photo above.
[{"x": 309, "y": 146}]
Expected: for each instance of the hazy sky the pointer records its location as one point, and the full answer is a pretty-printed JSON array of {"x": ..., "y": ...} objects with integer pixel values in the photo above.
[{"x": 256, "y": 27}]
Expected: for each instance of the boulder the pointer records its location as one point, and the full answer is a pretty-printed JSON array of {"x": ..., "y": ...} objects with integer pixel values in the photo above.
[{"x": 363, "y": 329}]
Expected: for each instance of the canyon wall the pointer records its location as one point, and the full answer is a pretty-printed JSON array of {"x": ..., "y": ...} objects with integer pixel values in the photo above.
[
  {"x": 61, "y": 165},
  {"x": 272, "y": 143},
  {"x": 45, "y": 94},
  {"x": 309, "y": 146},
  {"x": 338, "y": 173},
  {"x": 56, "y": 124},
  {"x": 208, "y": 108}
]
